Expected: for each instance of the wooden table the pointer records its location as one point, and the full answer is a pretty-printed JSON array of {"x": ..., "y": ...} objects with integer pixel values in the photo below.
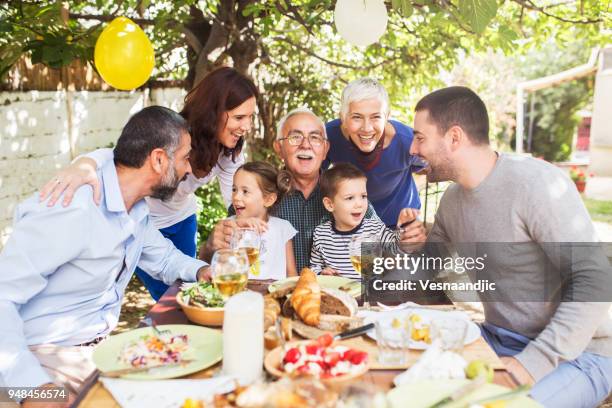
[{"x": 167, "y": 311}]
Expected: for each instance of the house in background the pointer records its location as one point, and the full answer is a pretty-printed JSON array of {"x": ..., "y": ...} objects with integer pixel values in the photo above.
[
  {"x": 601, "y": 122},
  {"x": 593, "y": 147}
]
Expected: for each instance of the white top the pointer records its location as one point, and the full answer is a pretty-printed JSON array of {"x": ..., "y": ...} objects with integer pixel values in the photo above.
[
  {"x": 272, "y": 254},
  {"x": 65, "y": 270},
  {"x": 183, "y": 203}
]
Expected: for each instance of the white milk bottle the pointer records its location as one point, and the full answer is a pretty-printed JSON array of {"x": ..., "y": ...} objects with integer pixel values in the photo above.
[{"x": 243, "y": 345}]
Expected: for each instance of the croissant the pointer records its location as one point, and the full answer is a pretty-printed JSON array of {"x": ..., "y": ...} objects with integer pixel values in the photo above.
[
  {"x": 306, "y": 298},
  {"x": 271, "y": 311}
]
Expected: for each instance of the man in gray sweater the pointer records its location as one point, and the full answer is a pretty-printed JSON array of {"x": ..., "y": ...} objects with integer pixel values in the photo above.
[{"x": 565, "y": 348}]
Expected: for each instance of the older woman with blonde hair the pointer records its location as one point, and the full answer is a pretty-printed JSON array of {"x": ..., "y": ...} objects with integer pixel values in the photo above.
[{"x": 366, "y": 137}]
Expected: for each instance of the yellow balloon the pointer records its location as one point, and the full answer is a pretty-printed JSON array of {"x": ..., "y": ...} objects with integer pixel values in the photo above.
[{"x": 124, "y": 55}]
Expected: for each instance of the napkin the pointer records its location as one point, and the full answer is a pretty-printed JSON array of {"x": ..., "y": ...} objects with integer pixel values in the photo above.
[
  {"x": 165, "y": 393},
  {"x": 434, "y": 363}
]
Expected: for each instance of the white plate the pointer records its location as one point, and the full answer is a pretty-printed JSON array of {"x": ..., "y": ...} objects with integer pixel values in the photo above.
[
  {"x": 386, "y": 318},
  {"x": 327, "y": 281}
]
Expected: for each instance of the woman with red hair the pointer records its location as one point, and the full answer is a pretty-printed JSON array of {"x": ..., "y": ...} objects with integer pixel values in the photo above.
[{"x": 219, "y": 110}]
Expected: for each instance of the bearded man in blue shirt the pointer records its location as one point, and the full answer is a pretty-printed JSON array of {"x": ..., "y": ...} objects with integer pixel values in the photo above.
[{"x": 64, "y": 270}]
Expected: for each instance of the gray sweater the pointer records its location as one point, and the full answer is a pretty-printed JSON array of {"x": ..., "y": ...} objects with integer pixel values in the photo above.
[{"x": 529, "y": 200}]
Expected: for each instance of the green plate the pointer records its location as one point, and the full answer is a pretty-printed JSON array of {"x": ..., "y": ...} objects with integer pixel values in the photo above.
[
  {"x": 205, "y": 348},
  {"x": 327, "y": 281},
  {"x": 422, "y": 394}
]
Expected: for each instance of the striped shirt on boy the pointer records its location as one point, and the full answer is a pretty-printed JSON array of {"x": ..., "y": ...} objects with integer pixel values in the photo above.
[{"x": 330, "y": 247}]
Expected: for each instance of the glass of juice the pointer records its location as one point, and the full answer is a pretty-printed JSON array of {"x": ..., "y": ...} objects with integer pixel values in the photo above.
[
  {"x": 230, "y": 271},
  {"x": 250, "y": 240}
]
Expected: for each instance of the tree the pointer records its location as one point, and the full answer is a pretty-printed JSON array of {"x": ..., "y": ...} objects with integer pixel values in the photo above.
[
  {"x": 551, "y": 113},
  {"x": 291, "y": 47}
]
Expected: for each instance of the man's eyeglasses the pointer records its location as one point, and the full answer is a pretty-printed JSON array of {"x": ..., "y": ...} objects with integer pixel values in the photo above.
[{"x": 295, "y": 138}]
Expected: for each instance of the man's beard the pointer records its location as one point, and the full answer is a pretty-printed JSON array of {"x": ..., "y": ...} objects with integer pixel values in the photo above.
[
  {"x": 167, "y": 186},
  {"x": 442, "y": 169}
]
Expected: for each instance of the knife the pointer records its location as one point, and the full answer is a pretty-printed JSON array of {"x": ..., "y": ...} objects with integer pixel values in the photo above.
[
  {"x": 354, "y": 332},
  {"x": 133, "y": 370},
  {"x": 460, "y": 392}
]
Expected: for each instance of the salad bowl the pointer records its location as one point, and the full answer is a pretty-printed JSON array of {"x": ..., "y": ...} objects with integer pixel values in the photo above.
[{"x": 194, "y": 300}]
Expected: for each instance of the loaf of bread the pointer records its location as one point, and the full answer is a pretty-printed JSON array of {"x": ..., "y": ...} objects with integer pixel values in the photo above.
[
  {"x": 333, "y": 302},
  {"x": 271, "y": 311},
  {"x": 337, "y": 302},
  {"x": 306, "y": 297}
]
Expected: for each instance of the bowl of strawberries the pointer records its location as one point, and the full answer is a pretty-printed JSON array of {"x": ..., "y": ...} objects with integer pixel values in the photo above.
[{"x": 332, "y": 362}]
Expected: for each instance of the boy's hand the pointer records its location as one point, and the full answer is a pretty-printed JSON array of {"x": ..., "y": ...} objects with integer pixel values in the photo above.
[
  {"x": 412, "y": 236},
  {"x": 329, "y": 271},
  {"x": 407, "y": 215}
]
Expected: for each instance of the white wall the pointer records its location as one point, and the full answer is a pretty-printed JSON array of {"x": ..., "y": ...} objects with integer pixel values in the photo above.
[{"x": 40, "y": 132}]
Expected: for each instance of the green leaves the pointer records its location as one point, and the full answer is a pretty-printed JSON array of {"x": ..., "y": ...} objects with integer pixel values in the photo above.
[
  {"x": 478, "y": 13},
  {"x": 403, "y": 7}
]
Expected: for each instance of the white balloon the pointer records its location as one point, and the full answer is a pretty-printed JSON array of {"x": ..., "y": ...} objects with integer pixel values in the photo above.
[{"x": 361, "y": 22}]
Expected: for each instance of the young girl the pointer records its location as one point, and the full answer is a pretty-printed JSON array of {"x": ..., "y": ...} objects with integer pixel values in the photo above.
[{"x": 258, "y": 186}]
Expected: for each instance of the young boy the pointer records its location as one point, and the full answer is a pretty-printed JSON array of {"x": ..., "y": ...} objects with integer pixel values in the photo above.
[{"x": 345, "y": 197}]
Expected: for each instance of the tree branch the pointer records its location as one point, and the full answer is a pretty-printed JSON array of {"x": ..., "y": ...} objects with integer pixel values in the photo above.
[
  {"x": 330, "y": 62},
  {"x": 105, "y": 17},
  {"x": 192, "y": 40},
  {"x": 292, "y": 13},
  {"x": 528, "y": 4}
]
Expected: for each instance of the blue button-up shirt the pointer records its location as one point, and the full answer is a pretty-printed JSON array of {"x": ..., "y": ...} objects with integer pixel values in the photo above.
[{"x": 64, "y": 270}]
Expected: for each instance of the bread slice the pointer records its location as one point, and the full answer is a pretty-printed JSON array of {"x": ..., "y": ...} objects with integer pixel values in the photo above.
[
  {"x": 271, "y": 339},
  {"x": 336, "y": 302},
  {"x": 338, "y": 324}
]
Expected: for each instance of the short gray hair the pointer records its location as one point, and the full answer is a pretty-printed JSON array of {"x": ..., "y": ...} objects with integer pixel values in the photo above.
[
  {"x": 362, "y": 89},
  {"x": 151, "y": 128},
  {"x": 297, "y": 111}
]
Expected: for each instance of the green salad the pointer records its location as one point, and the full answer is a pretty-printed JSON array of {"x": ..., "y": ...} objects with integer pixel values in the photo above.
[{"x": 201, "y": 294}]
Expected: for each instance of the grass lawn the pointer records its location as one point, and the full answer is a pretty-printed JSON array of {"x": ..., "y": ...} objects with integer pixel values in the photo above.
[{"x": 600, "y": 210}]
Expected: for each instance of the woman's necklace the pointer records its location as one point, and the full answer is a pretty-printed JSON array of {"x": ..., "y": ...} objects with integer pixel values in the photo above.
[{"x": 367, "y": 161}]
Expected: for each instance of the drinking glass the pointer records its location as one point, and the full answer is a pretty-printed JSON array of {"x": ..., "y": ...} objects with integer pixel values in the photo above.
[
  {"x": 355, "y": 253},
  {"x": 450, "y": 333},
  {"x": 230, "y": 271},
  {"x": 250, "y": 240},
  {"x": 392, "y": 344},
  {"x": 355, "y": 249},
  {"x": 362, "y": 258}
]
